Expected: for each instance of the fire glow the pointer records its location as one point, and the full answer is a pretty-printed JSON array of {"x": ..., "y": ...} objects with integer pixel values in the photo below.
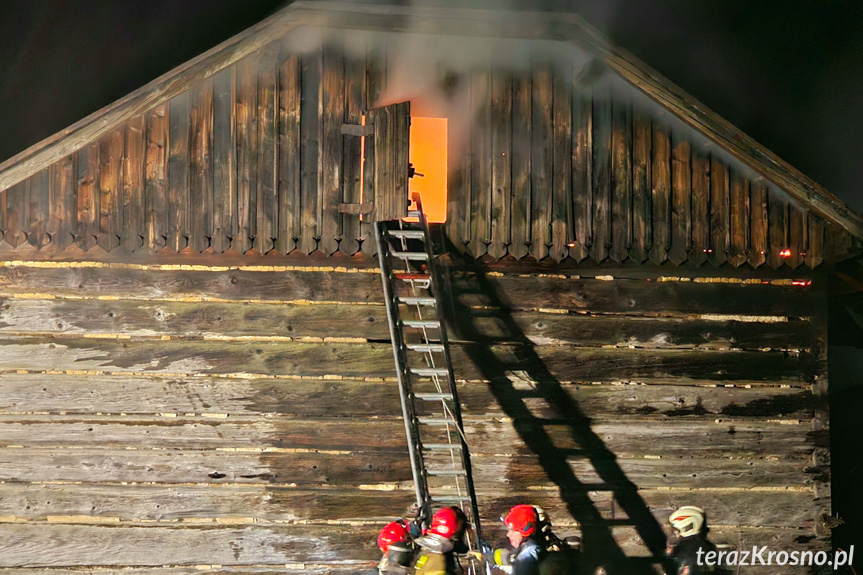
[{"x": 428, "y": 154}]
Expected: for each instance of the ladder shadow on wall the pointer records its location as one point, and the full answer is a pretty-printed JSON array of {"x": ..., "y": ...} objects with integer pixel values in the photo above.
[{"x": 467, "y": 281}]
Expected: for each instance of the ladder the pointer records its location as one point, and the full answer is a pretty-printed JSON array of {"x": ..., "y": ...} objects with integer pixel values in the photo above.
[{"x": 440, "y": 460}]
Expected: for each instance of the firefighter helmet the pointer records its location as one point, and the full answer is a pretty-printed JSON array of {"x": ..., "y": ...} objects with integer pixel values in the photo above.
[
  {"x": 448, "y": 522},
  {"x": 395, "y": 532},
  {"x": 522, "y": 518},
  {"x": 687, "y": 520}
]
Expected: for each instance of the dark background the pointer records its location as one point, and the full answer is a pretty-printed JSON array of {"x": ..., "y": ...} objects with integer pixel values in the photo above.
[{"x": 789, "y": 74}]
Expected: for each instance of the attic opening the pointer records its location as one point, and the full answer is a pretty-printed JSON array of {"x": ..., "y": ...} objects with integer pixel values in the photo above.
[{"x": 428, "y": 154}]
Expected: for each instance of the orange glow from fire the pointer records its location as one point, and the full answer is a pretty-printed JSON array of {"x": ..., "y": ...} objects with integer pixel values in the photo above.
[{"x": 429, "y": 157}]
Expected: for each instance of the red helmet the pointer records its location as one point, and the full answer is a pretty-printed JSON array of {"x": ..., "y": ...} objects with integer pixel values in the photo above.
[
  {"x": 522, "y": 518},
  {"x": 447, "y": 522},
  {"x": 395, "y": 532}
]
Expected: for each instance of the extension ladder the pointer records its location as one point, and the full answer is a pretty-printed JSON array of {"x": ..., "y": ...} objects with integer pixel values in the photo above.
[{"x": 440, "y": 460}]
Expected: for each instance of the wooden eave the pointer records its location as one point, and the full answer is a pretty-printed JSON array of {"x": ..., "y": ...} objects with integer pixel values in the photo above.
[{"x": 528, "y": 25}]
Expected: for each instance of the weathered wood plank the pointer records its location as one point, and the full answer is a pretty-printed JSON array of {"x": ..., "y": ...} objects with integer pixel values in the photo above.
[
  {"x": 332, "y": 162},
  {"x": 740, "y": 220},
  {"x": 797, "y": 231},
  {"x": 522, "y": 126},
  {"x": 274, "y": 504},
  {"x": 561, "y": 179},
  {"x": 815, "y": 252},
  {"x": 201, "y": 177},
  {"x": 85, "y": 395},
  {"x": 59, "y": 545},
  {"x": 621, "y": 181},
  {"x": 582, "y": 175},
  {"x": 310, "y": 468},
  {"x": 700, "y": 207},
  {"x": 134, "y": 199},
  {"x": 289, "y": 154},
  {"x": 247, "y": 154},
  {"x": 355, "y": 104},
  {"x": 37, "y": 233},
  {"x": 481, "y": 180},
  {"x": 17, "y": 213},
  {"x": 601, "y": 172},
  {"x": 758, "y": 224},
  {"x": 136, "y": 319},
  {"x": 541, "y": 159},
  {"x": 391, "y": 165},
  {"x": 660, "y": 170},
  {"x": 178, "y": 223},
  {"x": 266, "y": 204},
  {"x": 501, "y": 163},
  {"x": 63, "y": 198},
  {"x": 155, "y": 174},
  {"x": 777, "y": 228},
  {"x": 311, "y": 99},
  {"x": 642, "y": 208},
  {"x": 630, "y": 296},
  {"x": 681, "y": 201},
  {"x": 224, "y": 160},
  {"x": 110, "y": 186},
  {"x": 563, "y": 363},
  {"x": 672, "y": 439},
  {"x": 720, "y": 224},
  {"x": 376, "y": 78},
  {"x": 89, "y": 196}
]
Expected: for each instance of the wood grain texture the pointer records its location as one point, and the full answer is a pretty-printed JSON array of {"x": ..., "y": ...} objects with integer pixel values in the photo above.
[
  {"x": 332, "y": 108},
  {"x": 289, "y": 154},
  {"x": 37, "y": 233},
  {"x": 178, "y": 220},
  {"x": 778, "y": 228},
  {"x": 247, "y": 154},
  {"x": 481, "y": 180},
  {"x": 155, "y": 174},
  {"x": 63, "y": 199},
  {"x": 739, "y": 218},
  {"x": 720, "y": 226},
  {"x": 621, "y": 182},
  {"x": 582, "y": 174},
  {"x": 561, "y": 180},
  {"x": 660, "y": 170},
  {"x": 352, "y": 185},
  {"x": 89, "y": 196},
  {"x": 501, "y": 163},
  {"x": 110, "y": 187},
  {"x": 522, "y": 129},
  {"x": 311, "y": 75},
  {"x": 376, "y": 82},
  {"x": 700, "y": 207},
  {"x": 17, "y": 216},
  {"x": 224, "y": 160},
  {"x": 758, "y": 224},
  {"x": 541, "y": 159},
  {"x": 201, "y": 168},
  {"x": 134, "y": 199},
  {"x": 266, "y": 203},
  {"x": 681, "y": 201},
  {"x": 601, "y": 172}
]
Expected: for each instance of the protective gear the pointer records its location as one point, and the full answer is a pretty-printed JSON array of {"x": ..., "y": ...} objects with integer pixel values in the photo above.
[
  {"x": 395, "y": 532},
  {"x": 522, "y": 518},
  {"x": 436, "y": 556},
  {"x": 687, "y": 520},
  {"x": 448, "y": 522}
]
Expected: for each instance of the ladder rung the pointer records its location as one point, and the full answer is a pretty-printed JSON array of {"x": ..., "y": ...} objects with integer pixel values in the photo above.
[
  {"x": 411, "y": 276},
  {"x": 414, "y": 213},
  {"x": 436, "y": 421},
  {"x": 416, "y": 300},
  {"x": 429, "y": 371},
  {"x": 407, "y": 234},
  {"x": 433, "y": 396},
  {"x": 441, "y": 446},
  {"x": 450, "y": 499},
  {"x": 445, "y": 472},
  {"x": 421, "y": 323},
  {"x": 414, "y": 256},
  {"x": 425, "y": 347}
]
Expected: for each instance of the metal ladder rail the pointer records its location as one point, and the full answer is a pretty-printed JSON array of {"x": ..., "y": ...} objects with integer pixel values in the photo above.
[{"x": 449, "y": 400}]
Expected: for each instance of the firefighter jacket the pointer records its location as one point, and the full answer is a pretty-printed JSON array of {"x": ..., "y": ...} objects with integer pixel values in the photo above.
[{"x": 436, "y": 557}]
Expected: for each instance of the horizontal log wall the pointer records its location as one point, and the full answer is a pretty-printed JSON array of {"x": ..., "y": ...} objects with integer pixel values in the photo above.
[
  {"x": 252, "y": 160},
  {"x": 167, "y": 419}
]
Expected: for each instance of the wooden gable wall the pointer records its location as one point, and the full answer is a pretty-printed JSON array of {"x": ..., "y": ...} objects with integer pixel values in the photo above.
[{"x": 253, "y": 160}]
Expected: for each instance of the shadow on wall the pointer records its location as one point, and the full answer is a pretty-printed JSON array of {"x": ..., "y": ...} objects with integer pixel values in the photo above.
[{"x": 599, "y": 547}]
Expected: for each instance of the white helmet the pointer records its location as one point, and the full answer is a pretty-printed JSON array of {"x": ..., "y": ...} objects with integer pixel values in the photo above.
[{"x": 687, "y": 520}]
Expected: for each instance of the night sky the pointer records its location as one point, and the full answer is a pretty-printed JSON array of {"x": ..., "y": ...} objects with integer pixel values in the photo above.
[{"x": 789, "y": 74}]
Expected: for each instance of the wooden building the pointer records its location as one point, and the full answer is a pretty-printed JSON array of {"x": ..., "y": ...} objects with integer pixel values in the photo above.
[{"x": 196, "y": 370}]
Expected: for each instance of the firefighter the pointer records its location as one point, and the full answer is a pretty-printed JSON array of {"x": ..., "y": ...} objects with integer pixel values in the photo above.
[
  {"x": 444, "y": 538},
  {"x": 395, "y": 544},
  {"x": 688, "y": 523},
  {"x": 522, "y": 528}
]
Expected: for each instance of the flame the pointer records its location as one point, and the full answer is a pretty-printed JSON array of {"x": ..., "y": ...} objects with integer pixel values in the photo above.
[{"x": 428, "y": 154}]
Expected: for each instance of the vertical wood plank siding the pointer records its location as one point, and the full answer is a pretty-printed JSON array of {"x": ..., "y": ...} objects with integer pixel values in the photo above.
[{"x": 554, "y": 166}]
